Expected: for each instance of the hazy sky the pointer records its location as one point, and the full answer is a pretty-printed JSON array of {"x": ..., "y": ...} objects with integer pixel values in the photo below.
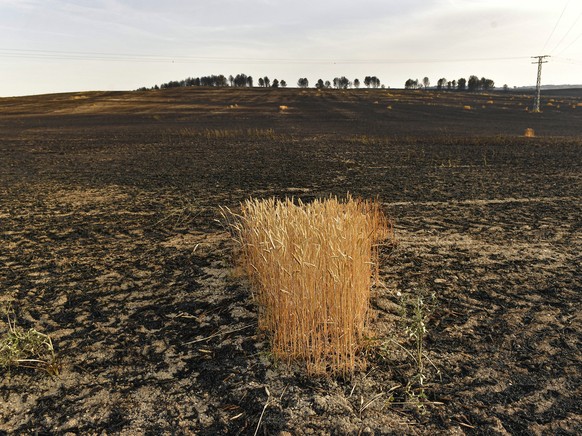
[{"x": 59, "y": 45}]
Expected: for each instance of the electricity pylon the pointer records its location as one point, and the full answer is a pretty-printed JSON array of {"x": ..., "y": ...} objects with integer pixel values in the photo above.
[{"x": 540, "y": 61}]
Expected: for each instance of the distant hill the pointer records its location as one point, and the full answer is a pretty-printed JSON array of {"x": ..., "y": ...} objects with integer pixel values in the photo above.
[
  {"x": 562, "y": 90},
  {"x": 545, "y": 87}
]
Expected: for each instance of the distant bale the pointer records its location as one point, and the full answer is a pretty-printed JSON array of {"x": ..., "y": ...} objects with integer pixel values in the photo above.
[
  {"x": 467, "y": 108},
  {"x": 283, "y": 108},
  {"x": 489, "y": 101},
  {"x": 579, "y": 105},
  {"x": 529, "y": 133}
]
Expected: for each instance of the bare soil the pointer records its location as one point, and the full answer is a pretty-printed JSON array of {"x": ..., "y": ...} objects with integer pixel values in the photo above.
[{"x": 111, "y": 243}]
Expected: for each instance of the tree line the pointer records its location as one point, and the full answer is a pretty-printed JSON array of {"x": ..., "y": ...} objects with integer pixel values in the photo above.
[
  {"x": 472, "y": 85},
  {"x": 242, "y": 80}
]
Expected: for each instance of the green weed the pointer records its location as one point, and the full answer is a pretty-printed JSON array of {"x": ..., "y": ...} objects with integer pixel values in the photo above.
[{"x": 27, "y": 348}]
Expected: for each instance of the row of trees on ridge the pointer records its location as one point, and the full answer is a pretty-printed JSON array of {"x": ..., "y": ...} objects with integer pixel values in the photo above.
[
  {"x": 242, "y": 80},
  {"x": 473, "y": 84}
]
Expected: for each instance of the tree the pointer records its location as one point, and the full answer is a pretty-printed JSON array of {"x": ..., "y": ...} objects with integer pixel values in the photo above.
[
  {"x": 303, "y": 82},
  {"x": 356, "y": 83},
  {"x": 474, "y": 84},
  {"x": 454, "y": 84},
  {"x": 250, "y": 81},
  {"x": 505, "y": 88},
  {"x": 275, "y": 83},
  {"x": 441, "y": 83},
  {"x": 231, "y": 80},
  {"x": 411, "y": 84},
  {"x": 487, "y": 84},
  {"x": 241, "y": 80},
  {"x": 341, "y": 82},
  {"x": 426, "y": 82},
  {"x": 261, "y": 82},
  {"x": 212, "y": 80},
  {"x": 283, "y": 84},
  {"x": 320, "y": 84},
  {"x": 462, "y": 84},
  {"x": 327, "y": 84},
  {"x": 267, "y": 81},
  {"x": 449, "y": 85},
  {"x": 372, "y": 81}
]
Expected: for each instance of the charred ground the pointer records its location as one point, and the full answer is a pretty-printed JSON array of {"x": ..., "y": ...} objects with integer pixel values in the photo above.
[{"x": 110, "y": 244}]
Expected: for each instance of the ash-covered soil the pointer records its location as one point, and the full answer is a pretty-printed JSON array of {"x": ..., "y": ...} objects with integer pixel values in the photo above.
[{"x": 111, "y": 243}]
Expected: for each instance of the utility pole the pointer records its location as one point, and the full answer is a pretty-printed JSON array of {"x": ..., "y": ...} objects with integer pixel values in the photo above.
[{"x": 540, "y": 61}]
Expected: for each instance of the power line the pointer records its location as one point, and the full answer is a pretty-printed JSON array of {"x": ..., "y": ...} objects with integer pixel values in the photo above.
[
  {"x": 126, "y": 57},
  {"x": 571, "y": 44},
  {"x": 556, "y": 25},
  {"x": 567, "y": 33},
  {"x": 567, "y": 60}
]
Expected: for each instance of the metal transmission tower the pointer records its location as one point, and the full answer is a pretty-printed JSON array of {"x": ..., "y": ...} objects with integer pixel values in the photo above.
[{"x": 540, "y": 61}]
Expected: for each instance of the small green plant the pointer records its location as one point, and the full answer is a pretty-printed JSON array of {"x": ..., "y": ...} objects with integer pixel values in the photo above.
[
  {"x": 416, "y": 329},
  {"x": 415, "y": 389},
  {"x": 27, "y": 349},
  {"x": 414, "y": 313}
]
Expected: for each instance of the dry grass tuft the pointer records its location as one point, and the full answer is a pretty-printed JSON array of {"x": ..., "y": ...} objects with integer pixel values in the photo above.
[
  {"x": 211, "y": 134},
  {"x": 312, "y": 267},
  {"x": 529, "y": 133},
  {"x": 27, "y": 349}
]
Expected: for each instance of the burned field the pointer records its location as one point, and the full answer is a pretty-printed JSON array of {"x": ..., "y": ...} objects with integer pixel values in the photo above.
[{"x": 111, "y": 244}]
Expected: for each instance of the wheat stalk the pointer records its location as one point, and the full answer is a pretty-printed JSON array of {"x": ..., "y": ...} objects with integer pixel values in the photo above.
[{"x": 312, "y": 267}]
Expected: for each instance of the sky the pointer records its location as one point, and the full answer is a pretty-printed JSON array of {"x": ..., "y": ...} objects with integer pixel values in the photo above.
[{"x": 49, "y": 46}]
